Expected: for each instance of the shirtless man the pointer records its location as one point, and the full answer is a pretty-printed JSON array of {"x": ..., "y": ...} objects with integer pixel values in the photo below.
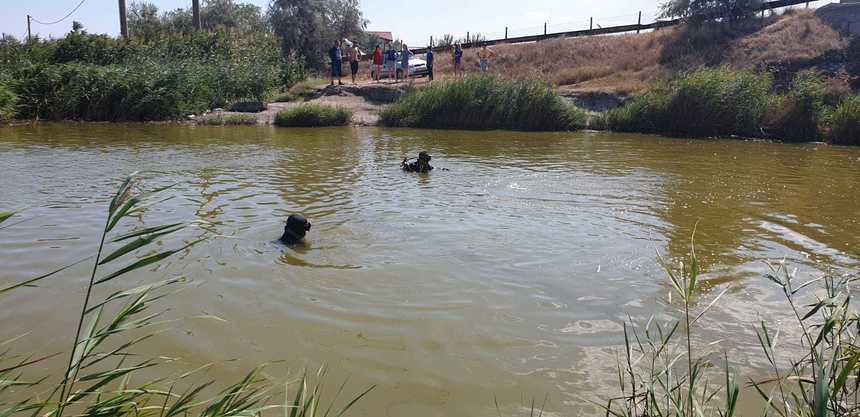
[{"x": 484, "y": 55}]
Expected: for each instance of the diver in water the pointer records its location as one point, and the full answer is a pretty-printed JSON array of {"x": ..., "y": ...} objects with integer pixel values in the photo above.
[
  {"x": 296, "y": 229},
  {"x": 422, "y": 164}
]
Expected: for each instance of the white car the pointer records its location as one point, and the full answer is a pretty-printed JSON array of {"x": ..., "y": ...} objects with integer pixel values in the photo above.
[{"x": 417, "y": 67}]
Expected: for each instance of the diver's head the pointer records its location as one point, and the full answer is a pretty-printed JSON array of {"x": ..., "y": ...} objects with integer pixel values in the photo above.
[
  {"x": 296, "y": 229},
  {"x": 424, "y": 157}
]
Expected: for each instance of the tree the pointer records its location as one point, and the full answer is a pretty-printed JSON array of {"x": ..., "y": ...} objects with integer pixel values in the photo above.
[
  {"x": 226, "y": 14},
  {"x": 309, "y": 27},
  {"x": 699, "y": 10},
  {"x": 178, "y": 21},
  {"x": 143, "y": 21}
]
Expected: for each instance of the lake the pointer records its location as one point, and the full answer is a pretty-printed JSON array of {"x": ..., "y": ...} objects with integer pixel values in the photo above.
[{"x": 508, "y": 271}]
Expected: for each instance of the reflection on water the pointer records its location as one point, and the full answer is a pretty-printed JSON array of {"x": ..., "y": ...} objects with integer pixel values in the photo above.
[{"x": 508, "y": 275}]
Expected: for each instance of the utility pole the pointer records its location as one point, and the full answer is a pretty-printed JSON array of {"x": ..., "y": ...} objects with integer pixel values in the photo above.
[
  {"x": 506, "y": 32},
  {"x": 640, "y": 22},
  {"x": 123, "y": 22},
  {"x": 544, "y": 28},
  {"x": 29, "y": 35},
  {"x": 195, "y": 14},
  {"x": 590, "y": 23}
]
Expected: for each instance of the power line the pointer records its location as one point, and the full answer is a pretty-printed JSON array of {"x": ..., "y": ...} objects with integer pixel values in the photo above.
[{"x": 63, "y": 18}]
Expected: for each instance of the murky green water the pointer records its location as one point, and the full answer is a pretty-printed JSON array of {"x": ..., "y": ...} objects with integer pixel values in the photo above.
[{"x": 510, "y": 274}]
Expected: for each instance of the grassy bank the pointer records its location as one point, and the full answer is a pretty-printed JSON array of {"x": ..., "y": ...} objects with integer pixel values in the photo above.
[
  {"x": 228, "y": 120},
  {"x": 484, "y": 102},
  {"x": 313, "y": 115},
  {"x": 631, "y": 63},
  {"x": 721, "y": 102}
]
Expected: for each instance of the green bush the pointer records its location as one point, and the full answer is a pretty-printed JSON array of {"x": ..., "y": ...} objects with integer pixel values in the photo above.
[
  {"x": 228, "y": 120},
  {"x": 313, "y": 115},
  {"x": 703, "y": 103},
  {"x": 795, "y": 116},
  {"x": 8, "y": 103},
  {"x": 484, "y": 102},
  {"x": 844, "y": 123},
  {"x": 93, "y": 77}
]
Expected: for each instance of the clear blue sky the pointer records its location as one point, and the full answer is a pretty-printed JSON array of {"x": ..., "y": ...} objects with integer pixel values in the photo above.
[{"x": 413, "y": 21}]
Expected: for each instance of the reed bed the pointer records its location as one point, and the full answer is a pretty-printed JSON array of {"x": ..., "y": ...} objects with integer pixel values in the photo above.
[
  {"x": 314, "y": 115},
  {"x": 484, "y": 102}
]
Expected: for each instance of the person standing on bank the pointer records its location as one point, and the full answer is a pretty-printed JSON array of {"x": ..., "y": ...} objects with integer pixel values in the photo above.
[
  {"x": 336, "y": 56},
  {"x": 429, "y": 60},
  {"x": 391, "y": 57},
  {"x": 484, "y": 55},
  {"x": 458, "y": 60},
  {"x": 404, "y": 61},
  {"x": 378, "y": 61},
  {"x": 354, "y": 54}
]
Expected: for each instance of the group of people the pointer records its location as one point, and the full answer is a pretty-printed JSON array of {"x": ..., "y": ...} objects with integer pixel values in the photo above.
[{"x": 387, "y": 61}]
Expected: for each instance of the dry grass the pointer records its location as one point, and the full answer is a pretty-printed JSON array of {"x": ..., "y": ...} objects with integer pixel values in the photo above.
[
  {"x": 633, "y": 62},
  {"x": 798, "y": 36}
]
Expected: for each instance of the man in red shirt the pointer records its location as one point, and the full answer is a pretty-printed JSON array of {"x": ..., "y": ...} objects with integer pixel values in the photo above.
[{"x": 378, "y": 60}]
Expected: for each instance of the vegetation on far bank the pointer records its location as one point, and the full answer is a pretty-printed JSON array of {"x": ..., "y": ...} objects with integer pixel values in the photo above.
[
  {"x": 484, "y": 102},
  {"x": 313, "y": 115},
  {"x": 719, "y": 102},
  {"x": 168, "y": 70}
]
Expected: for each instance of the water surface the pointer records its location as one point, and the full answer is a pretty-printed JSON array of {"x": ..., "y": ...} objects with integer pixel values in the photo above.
[{"x": 508, "y": 274}]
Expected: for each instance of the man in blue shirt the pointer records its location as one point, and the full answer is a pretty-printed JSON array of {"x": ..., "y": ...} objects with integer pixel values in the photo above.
[
  {"x": 391, "y": 57},
  {"x": 430, "y": 63},
  {"x": 336, "y": 56}
]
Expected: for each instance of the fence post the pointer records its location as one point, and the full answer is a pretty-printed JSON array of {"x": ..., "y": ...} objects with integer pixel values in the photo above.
[
  {"x": 195, "y": 14},
  {"x": 123, "y": 20},
  {"x": 639, "y": 23},
  {"x": 506, "y": 32}
]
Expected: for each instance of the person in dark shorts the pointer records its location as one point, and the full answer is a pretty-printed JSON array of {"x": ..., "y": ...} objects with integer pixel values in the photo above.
[
  {"x": 391, "y": 58},
  {"x": 404, "y": 61},
  {"x": 336, "y": 56},
  {"x": 429, "y": 59},
  {"x": 354, "y": 54},
  {"x": 458, "y": 60},
  {"x": 422, "y": 164},
  {"x": 295, "y": 230}
]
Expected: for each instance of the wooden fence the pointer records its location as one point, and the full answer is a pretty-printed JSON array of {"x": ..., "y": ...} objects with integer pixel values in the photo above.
[{"x": 636, "y": 27}]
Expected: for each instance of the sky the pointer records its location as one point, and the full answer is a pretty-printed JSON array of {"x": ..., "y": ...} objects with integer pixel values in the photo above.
[{"x": 413, "y": 21}]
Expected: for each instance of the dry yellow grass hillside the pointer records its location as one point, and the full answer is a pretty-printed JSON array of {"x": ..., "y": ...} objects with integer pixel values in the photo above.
[{"x": 627, "y": 64}]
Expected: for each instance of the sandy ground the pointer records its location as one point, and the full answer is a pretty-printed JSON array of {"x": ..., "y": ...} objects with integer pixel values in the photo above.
[{"x": 364, "y": 98}]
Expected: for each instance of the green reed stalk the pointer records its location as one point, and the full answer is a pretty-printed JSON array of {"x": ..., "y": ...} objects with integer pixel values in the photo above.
[{"x": 83, "y": 314}]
